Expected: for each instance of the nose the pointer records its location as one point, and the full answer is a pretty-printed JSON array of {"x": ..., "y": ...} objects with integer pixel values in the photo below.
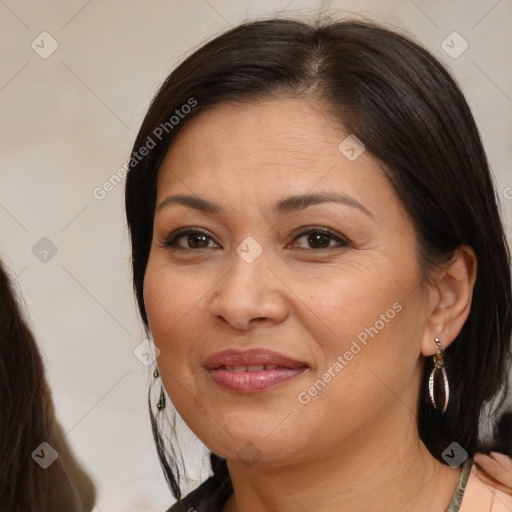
[{"x": 249, "y": 295}]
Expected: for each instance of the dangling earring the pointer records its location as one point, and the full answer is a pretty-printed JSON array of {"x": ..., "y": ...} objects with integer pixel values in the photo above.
[
  {"x": 161, "y": 402},
  {"x": 439, "y": 365}
]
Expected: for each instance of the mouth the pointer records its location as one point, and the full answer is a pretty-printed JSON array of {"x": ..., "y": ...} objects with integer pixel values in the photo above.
[{"x": 252, "y": 371}]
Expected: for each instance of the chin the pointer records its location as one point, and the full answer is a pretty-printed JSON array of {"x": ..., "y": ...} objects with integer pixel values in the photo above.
[{"x": 253, "y": 439}]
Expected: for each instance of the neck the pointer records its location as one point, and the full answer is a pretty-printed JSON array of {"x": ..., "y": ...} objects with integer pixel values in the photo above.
[{"x": 383, "y": 466}]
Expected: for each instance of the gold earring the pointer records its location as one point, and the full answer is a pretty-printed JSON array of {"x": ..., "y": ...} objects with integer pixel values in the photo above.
[{"x": 439, "y": 365}]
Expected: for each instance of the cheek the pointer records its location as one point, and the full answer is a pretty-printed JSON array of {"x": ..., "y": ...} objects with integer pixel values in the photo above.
[
  {"x": 170, "y": 300},
  {"x": 367, "y": 325},
  {"x": 175, "y": 309},
  {"x": 378, "y": 340},
  {"x": 359, "y": 303}
]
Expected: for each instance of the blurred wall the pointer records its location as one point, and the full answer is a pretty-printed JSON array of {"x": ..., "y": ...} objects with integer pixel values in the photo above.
[{"x": 75, "y": 81}]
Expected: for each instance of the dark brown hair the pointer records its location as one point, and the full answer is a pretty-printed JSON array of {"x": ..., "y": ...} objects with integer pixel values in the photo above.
[
  {"x": 24, "y": 420},
  {"x": 27, "y": 419},
  {"x": 412, "y": 116}
]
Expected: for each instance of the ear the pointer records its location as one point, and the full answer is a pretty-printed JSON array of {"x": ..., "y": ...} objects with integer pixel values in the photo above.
[{"x": 450, "y": 299}]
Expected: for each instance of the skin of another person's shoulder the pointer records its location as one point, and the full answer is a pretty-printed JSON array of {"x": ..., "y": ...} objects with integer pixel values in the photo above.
[{"x": 480, "y": 496}]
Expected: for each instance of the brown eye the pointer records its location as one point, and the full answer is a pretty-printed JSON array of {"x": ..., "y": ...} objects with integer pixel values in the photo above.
[
  {"x": 320, "y": 238},
  {"x": 197, "y": 241},
  {"x": 194, "y": 239}
]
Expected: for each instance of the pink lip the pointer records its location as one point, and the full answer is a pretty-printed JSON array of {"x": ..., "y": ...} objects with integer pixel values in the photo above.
[{"x": 252, "y": 381}]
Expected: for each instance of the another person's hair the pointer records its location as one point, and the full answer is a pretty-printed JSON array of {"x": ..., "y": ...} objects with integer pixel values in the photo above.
[
  {"x": 412, "y": 116},
  {"x": 27, "y": 418},
  {"x": 502, "y": 435}
]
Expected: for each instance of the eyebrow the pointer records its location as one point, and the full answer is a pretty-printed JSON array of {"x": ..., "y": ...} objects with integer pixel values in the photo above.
[{"x": 282, "y": 207}]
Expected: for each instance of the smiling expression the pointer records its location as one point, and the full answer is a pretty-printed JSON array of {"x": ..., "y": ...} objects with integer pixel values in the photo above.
[{"x": 331, "y": 250}]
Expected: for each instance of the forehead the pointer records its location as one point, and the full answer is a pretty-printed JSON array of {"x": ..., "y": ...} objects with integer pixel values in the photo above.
[
  {"x": 272, "y": 132},
  {"x": 246, "y": 151}
]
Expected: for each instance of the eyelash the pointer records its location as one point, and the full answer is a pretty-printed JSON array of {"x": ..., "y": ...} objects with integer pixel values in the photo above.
[{"x": 170, "y": 240}]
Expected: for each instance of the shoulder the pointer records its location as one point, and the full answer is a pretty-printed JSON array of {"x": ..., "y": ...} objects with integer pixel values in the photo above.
[
  {"x": 480, "y": 495},
  {"x": 210, "y": 496}
]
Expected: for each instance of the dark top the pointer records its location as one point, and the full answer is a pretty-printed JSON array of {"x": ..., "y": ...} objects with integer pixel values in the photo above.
[{"x": 210, "y": 497}]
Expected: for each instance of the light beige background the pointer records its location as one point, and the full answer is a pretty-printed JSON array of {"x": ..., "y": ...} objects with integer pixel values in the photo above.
[{"x": 67, "y": 124}]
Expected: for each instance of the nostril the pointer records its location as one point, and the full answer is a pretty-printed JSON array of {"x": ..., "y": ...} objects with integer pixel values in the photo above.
[{"x": 260, "y": 319}]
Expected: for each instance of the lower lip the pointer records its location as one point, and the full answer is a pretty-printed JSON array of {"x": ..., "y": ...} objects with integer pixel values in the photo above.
[{"x": 253, "y": 382}]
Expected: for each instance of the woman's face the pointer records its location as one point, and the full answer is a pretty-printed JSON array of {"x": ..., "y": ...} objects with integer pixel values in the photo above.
[{"x": 322, "y": 329}]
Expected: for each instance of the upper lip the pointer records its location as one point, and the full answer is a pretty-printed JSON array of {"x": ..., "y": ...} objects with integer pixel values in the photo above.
[{"x": 250, "y": 357}]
